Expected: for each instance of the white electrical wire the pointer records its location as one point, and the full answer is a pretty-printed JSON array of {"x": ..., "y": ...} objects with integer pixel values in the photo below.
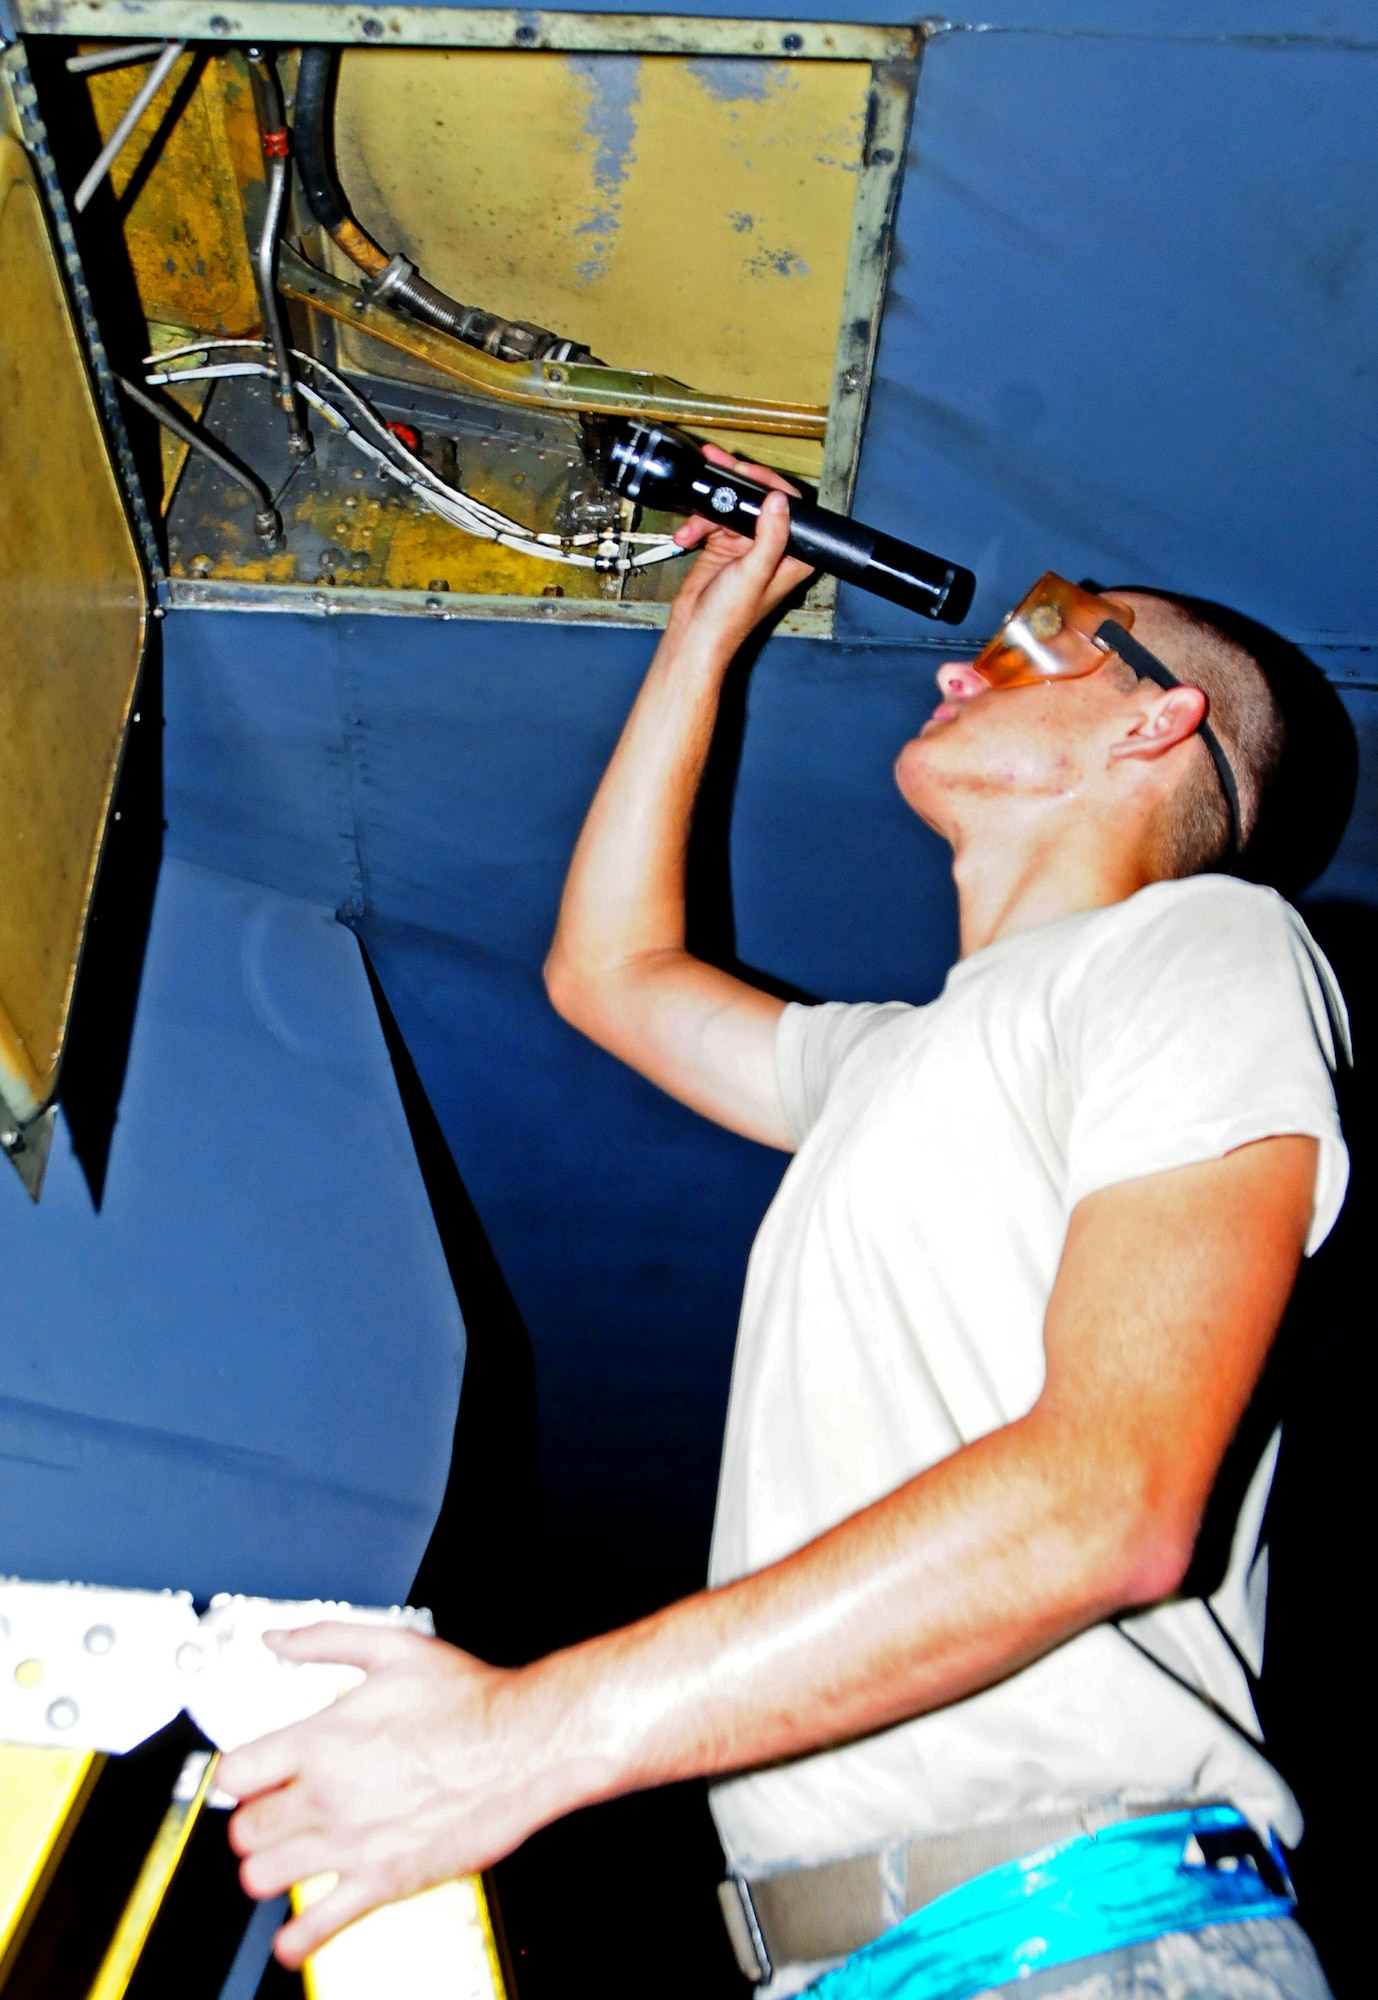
[
  {"x": 216, "y": 373},
  {"x": 461, "y": 509}
]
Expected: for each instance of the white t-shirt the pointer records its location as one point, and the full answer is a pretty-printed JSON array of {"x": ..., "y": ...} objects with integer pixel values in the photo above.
[{"x": 894, "y": 1311}]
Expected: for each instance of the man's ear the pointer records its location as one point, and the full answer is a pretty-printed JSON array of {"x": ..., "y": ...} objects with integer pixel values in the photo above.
[{"x": 1170, "y": 717}]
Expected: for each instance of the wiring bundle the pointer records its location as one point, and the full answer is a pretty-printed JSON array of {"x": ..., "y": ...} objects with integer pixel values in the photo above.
[{"x": 613, "y": 550}]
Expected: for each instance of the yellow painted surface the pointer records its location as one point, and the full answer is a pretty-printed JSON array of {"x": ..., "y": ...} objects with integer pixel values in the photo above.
[
  {"x": 72, "y": 589},
  {"x": 186, "y": 161},
  {"x": 150, "y": 1891},
  {"x": 425, "y": 550},
  {"x": 682, "y": 215},
  {"x": 42, "y": 1793},
  {"x": 435, "y": 1946}
]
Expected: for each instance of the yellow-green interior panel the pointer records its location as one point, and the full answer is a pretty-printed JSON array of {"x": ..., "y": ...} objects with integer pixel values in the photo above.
[
  {"x": 179, "y": 180},
  {"x": 73, "y": 593}
]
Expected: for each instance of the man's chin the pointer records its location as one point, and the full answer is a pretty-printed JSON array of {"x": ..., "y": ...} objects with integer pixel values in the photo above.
[{"x": 911, "y": 773}]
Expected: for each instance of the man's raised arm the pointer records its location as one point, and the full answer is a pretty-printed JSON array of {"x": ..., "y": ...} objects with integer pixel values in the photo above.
[{"x": 618, "y": 969}]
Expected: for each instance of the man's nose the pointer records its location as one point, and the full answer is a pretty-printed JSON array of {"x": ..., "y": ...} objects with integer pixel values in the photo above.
[{"x": 959, "y": 680}]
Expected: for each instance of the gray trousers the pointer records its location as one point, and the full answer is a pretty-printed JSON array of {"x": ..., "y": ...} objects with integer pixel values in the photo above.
[{"x": 1264, "y": 1958}]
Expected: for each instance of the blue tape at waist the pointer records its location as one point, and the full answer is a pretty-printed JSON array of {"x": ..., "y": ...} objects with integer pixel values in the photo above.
[{"x": 1131, "y": 1882}]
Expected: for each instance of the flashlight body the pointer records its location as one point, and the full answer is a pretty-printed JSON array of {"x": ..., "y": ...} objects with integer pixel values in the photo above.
[{"x": 664, "y": 469}]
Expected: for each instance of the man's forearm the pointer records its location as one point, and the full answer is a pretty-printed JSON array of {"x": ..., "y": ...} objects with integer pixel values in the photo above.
[
  {"x": 618, "y": 969},
  {"x": 1166, "y": 1300},
  {"x": 968, "y": 1573},
  {"x": 624, "y": 896}
]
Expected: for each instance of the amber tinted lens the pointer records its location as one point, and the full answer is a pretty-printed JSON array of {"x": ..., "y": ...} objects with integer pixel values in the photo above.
[{"x": 1049, "y": 636}]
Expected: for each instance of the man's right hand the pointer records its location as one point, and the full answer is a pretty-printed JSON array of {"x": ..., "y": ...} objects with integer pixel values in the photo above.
[
  {"x": 736, "y": 583},
  {"x": 618, "y": 970}
]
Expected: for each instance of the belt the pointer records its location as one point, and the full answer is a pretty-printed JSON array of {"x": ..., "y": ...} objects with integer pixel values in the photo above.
[{"x": 803, "y": 1915}]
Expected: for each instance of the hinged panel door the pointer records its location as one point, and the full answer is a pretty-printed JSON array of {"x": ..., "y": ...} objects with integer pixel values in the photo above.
[{"x": 75, "y": 612}]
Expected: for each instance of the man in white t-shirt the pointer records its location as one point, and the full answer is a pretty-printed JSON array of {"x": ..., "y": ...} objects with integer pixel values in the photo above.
[{"x": 999, "y": 1328}]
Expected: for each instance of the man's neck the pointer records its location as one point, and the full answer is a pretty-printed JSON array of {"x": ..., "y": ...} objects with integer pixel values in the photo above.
[{"x": 1006, "y": 885}]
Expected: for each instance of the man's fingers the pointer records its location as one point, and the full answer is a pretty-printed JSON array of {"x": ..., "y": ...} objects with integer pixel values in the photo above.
[
  {"x": 273, "y": 1869},
  {"x": 764, "y": 475},
  {"x": 260, "y": 1766},
  {"x": 367, "y": 1646},
  {"x": 270, "y": 1817},
  {"x": 772, "y": 533},
  {"x": 351, "y": 1898}
]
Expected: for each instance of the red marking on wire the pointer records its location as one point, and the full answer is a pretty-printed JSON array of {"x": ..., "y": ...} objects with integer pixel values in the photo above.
[
  {"x": 275, "y": 145},
  {"x": 406, "y": 435}
]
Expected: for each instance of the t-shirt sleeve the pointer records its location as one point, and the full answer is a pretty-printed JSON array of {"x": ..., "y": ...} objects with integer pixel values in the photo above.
[
  {"x": 812, "y": 1044},
  {"x": 1209, "y": 1023}
]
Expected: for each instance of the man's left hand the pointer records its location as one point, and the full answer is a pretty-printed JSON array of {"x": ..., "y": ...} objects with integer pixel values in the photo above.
[{"x": 410, "y": 1779}]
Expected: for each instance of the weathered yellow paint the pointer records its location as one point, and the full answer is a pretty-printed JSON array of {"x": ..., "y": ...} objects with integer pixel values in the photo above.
[
  {"x": 680, "y": 215},
  {"x": 184, "y": 227},
  {"x": 73, "y": 593},
  {"x": 440, "y": 1944},
  {"x": 425, "y": 550},
  {"x": 42, "y": 1793}
]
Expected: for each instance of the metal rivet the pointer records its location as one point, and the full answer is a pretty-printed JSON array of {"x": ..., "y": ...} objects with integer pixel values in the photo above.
[
  {"x": 62, "y": 1713},
  {"x": 99, "y": 1639},
  {"x": 882, "y": 157},
  {"x": 218, "y": 25},
  {"x": 373, "y": 28},
  {"x": 190, "y": 1657},
  {"x": 791, "y": 44},
  {"x": 525, "y": 34}
]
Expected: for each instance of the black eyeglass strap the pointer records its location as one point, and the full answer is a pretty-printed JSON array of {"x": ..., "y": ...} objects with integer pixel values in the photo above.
[{"x": 1150, "y": 668}]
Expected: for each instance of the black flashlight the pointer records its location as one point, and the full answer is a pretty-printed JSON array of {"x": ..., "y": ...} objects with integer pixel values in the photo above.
[{"x": 664, "y": 469}]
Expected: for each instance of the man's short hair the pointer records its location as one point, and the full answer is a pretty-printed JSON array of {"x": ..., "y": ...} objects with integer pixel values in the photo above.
[{"x": 1289, "y": 741}]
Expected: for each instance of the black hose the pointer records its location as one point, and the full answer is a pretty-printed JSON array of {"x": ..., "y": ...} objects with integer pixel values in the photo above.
[
  {"x": 393, "y": 281},
  {"x": 267, "y": 520},
  {"x": 311, "y": 125}
]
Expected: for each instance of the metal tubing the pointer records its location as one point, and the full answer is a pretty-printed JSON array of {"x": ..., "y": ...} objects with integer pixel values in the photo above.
[
  {"x": 116, "y": 58},
  {"x": 115, "y": 144},
  {"x": 567, "y": 385},
  {"x": 273, "y": 133},
  {"x": 265, "y": 271},
  {"x": 267, "y": 520}
]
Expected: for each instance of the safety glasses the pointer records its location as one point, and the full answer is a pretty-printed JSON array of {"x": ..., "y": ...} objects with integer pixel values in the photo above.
[{"x": 1060, "y": 632}]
